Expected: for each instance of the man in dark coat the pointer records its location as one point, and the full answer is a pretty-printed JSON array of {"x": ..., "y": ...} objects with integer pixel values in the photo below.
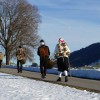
[{"x": 44, "y": 53}]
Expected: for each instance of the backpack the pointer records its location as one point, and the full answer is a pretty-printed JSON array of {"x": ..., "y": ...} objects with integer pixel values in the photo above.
[
  {"x": 20, "y": 52},
  {"x": 43, "y": 51}
]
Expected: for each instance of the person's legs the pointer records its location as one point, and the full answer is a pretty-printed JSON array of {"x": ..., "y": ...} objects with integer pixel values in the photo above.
[
  {"x": 41, "y": 69},
  {"x": 46, "y": 61},
  {"x": 66, "y": 73},
  {"x": 66, "y": 76},
  {"x": 21, "y": 66},
  {"x": 18, "y": 66},
  {"x": 66, "y": 65},
  {"x": 0, "y": 63},
  {"x": 59, "y": 64},
  {"x": 44, "y": 72},
  {"x": 60, "y": 75},
  {"x": 42, "y": 66}
]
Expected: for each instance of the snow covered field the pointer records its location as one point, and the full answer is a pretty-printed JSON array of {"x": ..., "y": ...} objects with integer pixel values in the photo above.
[{"x": 19, "y": 88}]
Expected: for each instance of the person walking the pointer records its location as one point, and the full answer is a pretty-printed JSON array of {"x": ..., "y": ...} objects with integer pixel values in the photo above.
[
  {"x": 1, "y": 58},
  {"x": 44, "y": 53},
  {"x": 20, "y": 57},
  {"x": 62, "y": 53}
]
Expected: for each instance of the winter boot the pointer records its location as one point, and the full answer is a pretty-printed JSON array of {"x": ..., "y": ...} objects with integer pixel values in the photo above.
[
  {"x": 59, "y": 79},
  {"x": 20, "y": 71},
  {"x": 43, "y": 76},
  {"x": 66, "y": 78}
]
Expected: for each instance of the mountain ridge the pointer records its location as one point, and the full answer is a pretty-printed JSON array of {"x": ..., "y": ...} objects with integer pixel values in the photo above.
[{"x": 85, "y": 56}]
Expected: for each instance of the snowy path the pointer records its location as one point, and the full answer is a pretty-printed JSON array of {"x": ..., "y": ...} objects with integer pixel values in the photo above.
[{"x": 19, "y": 88}]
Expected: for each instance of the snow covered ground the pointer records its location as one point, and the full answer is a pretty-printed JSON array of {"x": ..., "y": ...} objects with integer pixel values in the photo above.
[{"x": 19, "y": 88}]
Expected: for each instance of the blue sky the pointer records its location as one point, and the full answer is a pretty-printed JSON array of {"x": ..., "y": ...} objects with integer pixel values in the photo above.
[{"x": 76, "y": 21}]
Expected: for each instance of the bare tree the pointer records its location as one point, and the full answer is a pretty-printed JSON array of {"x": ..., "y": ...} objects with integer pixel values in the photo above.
[{"x": 19, "y": 22}]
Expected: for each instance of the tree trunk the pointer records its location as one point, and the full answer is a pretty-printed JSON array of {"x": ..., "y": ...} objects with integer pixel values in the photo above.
[{"x": 7, "y": 57}]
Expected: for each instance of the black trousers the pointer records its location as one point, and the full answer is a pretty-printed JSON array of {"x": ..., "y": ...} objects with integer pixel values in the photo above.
[
  {"x": 63, "y": 64},
  {"x": 43, "y": 65},
  {"x": 0, "y": 63},
  {"x": 19, "y": 65}
]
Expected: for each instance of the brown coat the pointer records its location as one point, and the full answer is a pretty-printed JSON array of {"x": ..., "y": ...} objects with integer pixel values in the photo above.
[
  {"x": 20, "y": 54},
  {"x": 1, "y": 56}
]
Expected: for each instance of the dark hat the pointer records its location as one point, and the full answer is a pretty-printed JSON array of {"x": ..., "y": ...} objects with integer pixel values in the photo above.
[
  {"x": 41, "y": 40},
  {"x": 20, "y": 46}
]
